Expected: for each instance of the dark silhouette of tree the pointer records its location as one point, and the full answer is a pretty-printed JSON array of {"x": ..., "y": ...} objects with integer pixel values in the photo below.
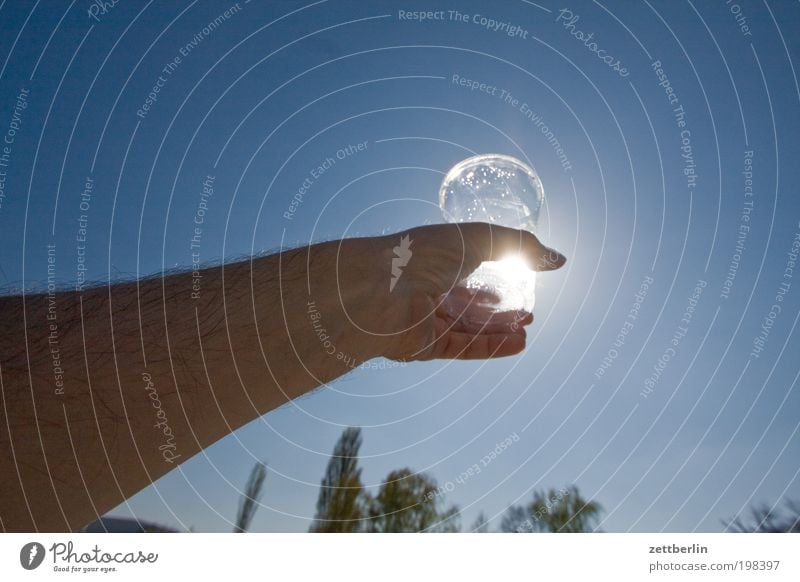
[
  {"x": 555, "y": 511},
  {"x": 513, "y": 519},
  {"x": 481, "y": 524},
  {"x": 340, "y": 503},
  {"x": 766, "y": 519},
  {"x": 405, "y": 502},
  {"x": 251, "y": 498},
  {"x": 408, "y": 502},
  {"x": 449, "y": 520}
]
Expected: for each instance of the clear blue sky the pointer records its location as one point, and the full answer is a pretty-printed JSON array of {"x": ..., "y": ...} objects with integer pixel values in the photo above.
[{"x": 263, "y": 96}]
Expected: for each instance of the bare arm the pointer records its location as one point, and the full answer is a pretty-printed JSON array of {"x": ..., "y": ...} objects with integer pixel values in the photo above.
[{"x": 105, "y": 391}]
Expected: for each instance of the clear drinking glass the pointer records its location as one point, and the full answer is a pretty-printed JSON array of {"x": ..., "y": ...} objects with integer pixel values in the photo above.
[{"x": 502, "y": 190}]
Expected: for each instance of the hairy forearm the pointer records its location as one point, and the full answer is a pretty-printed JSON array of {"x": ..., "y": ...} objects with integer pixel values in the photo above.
[{"x": 106, "y": 390}]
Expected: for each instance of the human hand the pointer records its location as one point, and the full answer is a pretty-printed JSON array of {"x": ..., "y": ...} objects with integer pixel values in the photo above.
[{"x": 424, "y": 266}]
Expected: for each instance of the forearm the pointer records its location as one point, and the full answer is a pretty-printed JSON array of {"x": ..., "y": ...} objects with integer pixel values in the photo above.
[{"x": 151, "y": 373}]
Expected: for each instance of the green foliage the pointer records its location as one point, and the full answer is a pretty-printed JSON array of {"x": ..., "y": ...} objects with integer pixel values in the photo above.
[
  {"x": 481, "y": 524},
  {"x": 411, "y": 502},
  {"x": 562, "y": 511},
  {"x": 340, "y": 503},
  {"x": 449, "y": 520},
  {"x": 513, "y": 519},
  {"x": 407, "y": 502},
  {"x": 766, "y": 519},
  {"x": 251, "y": 498}
]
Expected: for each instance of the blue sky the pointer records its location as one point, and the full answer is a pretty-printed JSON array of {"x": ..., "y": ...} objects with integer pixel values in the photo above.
[{"x": 685, "y": 424}]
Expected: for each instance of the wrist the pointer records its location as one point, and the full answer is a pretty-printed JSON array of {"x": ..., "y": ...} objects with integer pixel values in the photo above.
[
  {"x": 356, "y": 290},
  {"x": 336, "y": 300}
]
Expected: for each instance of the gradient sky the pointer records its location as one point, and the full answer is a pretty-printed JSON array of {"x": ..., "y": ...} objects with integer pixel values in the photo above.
[{"x": 272, "y": 91}]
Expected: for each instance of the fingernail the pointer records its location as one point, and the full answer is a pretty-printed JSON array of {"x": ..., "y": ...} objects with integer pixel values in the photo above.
[{"x": 553, "y": 259}]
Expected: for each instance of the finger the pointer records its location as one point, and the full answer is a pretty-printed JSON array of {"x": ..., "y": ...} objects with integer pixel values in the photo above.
[
  {"x": 467, "y": 346},
  {"x": 492, "y": 242},
  {"x": 498, "y": 322},
  {"x": 459, "y": 296},
  {"x": 477, "y": 320},
  {"x": 461, "y": 300},
  {"x": 475, "y": 311}
]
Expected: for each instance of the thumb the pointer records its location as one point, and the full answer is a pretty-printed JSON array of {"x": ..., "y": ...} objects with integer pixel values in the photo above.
[{"x": 491, "y": 242}]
